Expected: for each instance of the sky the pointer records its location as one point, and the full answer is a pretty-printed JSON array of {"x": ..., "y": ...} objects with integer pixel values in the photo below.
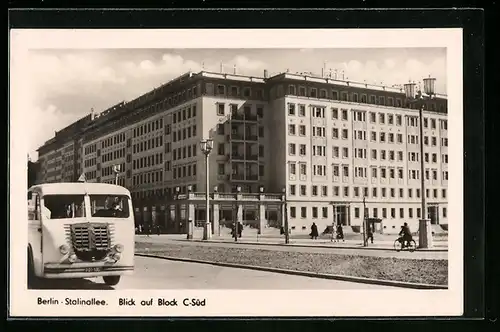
[{"x": 66, "y": 83}]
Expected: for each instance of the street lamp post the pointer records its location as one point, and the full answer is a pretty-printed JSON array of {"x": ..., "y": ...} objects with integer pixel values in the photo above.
[
  {"x": 287, "y": 235},
  {"x": 206, "y": 146},
  {"x": 116, "y": 170},
  {"x": 424, "y": 231},
  {"x": 364, "y": 222}
]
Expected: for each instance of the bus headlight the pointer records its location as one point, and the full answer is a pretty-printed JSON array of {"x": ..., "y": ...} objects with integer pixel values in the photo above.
[
  {"x": 64, "y": 249},
  {"x": 72, "y": 258},
  {"x": 117, "y": 256},
  {"x": 119, "y": 248}
]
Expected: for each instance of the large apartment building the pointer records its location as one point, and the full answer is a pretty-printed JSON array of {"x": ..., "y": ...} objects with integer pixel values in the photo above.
[{"x": 329, "y": 143}]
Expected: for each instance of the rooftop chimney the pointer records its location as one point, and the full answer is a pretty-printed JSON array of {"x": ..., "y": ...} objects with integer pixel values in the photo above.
[{"x": 266, "y": 74}]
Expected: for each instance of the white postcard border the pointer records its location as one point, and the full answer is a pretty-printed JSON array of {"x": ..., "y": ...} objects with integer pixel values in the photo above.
[{"x": 330, "y": 303}]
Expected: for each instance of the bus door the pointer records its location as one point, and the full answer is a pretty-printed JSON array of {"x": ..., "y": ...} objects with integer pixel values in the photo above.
[{"x": 35, "y": 226}]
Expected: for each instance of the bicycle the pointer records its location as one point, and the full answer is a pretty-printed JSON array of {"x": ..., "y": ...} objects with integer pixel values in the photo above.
[{"x": 398, "y": 245}]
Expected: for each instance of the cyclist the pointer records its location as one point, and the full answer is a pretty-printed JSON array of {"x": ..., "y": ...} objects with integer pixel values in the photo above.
[{"x": 405, "y": 234}]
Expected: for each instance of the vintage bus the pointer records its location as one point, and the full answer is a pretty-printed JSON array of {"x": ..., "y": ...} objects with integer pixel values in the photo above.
[{"x": 80, "y": 230}]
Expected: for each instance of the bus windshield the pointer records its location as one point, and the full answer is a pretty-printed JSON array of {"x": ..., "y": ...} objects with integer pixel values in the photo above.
[
  {"x": 110, "y": 206},
  {"x": 63, "y": 206}
]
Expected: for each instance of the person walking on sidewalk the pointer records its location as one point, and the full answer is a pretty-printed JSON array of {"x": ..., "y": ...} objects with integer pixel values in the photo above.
[
  {"x": 340, "y": 233},
  {"x": 314, "y": 231},
  {"x": 370, "y": 234}
]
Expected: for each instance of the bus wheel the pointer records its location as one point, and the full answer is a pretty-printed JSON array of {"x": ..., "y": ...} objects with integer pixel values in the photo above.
[
  {"x": 111, "y": 280},
  {"x": 32, "y": 278}
]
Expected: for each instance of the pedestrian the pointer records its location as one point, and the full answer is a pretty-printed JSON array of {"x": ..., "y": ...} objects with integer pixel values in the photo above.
[
  {"x": 370, "y": 234},
  {"x": 340, "y": 233},
  {"x": 314, "y": 231},
  {"x": 148, "y": 230},
  {"x": 158, "y": 230},
  {"x": 240, "y": 229}
]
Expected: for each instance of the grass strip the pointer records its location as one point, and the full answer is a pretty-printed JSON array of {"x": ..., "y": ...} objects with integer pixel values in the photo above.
[{"x": 425, "y": 271}]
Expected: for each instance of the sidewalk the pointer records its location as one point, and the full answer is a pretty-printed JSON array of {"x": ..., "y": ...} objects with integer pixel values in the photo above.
[
  {"x": 380, "y": 248},
  {"x": 348, "y": 244}
]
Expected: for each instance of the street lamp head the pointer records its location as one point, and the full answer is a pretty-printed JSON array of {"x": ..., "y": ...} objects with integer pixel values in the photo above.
[
  {"x": 116, "y": 168},
  {"x": 261, "y": 189},
  {"x": 429, "y": 86},
  {"x": 238, "y": 189},
  {"x": 206, "y": 145}
]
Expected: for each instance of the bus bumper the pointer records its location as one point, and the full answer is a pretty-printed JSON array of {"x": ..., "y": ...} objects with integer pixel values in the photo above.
[{"x": 84, "y": 270}]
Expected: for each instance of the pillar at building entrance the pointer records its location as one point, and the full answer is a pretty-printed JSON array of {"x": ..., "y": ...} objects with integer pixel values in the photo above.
[
  {"x": 215, "y": 220},
  {"x": 425, "y": 234},
  {"x": 262, "y": 217},
  {"x": 190, "y": 220}
]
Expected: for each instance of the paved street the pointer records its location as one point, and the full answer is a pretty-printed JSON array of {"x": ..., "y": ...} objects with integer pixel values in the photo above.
[
  {"x": 181, "y": 239},
  {"x": 154, "y": 273}
]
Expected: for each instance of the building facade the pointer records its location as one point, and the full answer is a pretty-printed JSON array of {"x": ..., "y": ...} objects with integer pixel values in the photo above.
[{"x": 329, "y": 144}]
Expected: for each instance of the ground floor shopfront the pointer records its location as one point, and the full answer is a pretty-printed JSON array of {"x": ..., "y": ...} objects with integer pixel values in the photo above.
[
  {"x": 173, "y": 214},
  {"x": 301, "y": 214}
]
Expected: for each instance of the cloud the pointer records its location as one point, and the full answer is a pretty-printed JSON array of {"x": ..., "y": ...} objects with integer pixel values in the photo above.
[
  {"x": 66, "y": 85},
  {"x": 42, "y": 125}
]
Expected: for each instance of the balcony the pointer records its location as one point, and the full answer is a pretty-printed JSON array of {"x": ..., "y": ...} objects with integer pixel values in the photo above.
[
  {"x": 237, "y": 117},
  {"x": 250, "y": 117},
  {"x": 238, "y": 156},
  {"x": 236, "y": 136},
  {"x": 252, "y": 177},
  {"x": 252, "y": 156},
  {"x": 238, "y": 177},
  {"x": 251, "y": 137}
]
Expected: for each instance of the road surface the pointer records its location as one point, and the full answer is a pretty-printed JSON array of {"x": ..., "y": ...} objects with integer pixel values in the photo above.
[{"x": 154, "y": 273}]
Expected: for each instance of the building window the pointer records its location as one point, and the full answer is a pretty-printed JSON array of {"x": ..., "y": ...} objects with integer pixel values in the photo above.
[
  {"x": 303, "y": 212},
  {"x": 291, "y": 109}
]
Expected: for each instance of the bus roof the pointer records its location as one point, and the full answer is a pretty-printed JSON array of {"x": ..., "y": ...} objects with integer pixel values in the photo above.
[{"x": 79, "y": 188}]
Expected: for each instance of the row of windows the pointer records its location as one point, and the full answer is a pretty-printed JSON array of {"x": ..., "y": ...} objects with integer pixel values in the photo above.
[
  {"x": 148, "y": 127},
  {"x": 113, "y": 155},
  {"x": 182, "y": 134},
  {"x": 320, "y": 150},
  {"x": 184, "y": 171},
  {"x": 110, "y": 141},
  {"x": 354, "y": 97},
  {"x": 90, "y": 162},
  {"x": 247, "y": 111},
  {"x": 324, "y": 212},
  {"x": 360, "y": 116},
  {"x": 121, "y": 181},
  {"x": 108, "y": 170},
  {"x": 375, "y": 192},
  {"x": 184, "y": 152},
  {"x": 249, "y": 170},
  {"x": 151, "y": 143},
  {"x": 250, "y": 131},
  {"x": 320, "y": 170},
  {"x": 90, "y": 175},
  {"x": 234, "y": 91},
  {"x": 146, "y": 178},
  {"x": 148, "y": 161},
  {"x": 90, "y": 149},
  {"x": 184, "y": 114}
]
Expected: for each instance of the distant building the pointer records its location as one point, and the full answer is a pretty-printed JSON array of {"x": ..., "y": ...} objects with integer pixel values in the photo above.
[
  {"x": 33, "y": 173},
  {"x": 328, "y": 142}
]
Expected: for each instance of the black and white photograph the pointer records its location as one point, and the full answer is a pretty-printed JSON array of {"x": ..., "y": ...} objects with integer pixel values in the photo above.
[{"x": 193, "y": 176}]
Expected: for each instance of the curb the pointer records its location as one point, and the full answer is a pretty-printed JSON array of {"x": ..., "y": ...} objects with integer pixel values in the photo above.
[
  {"x": 305, "y": 245},
  {"x": 362, "y": 280}
]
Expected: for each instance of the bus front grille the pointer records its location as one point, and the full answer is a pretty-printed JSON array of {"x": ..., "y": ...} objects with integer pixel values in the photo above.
[{"x": 90, "y": 241}]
